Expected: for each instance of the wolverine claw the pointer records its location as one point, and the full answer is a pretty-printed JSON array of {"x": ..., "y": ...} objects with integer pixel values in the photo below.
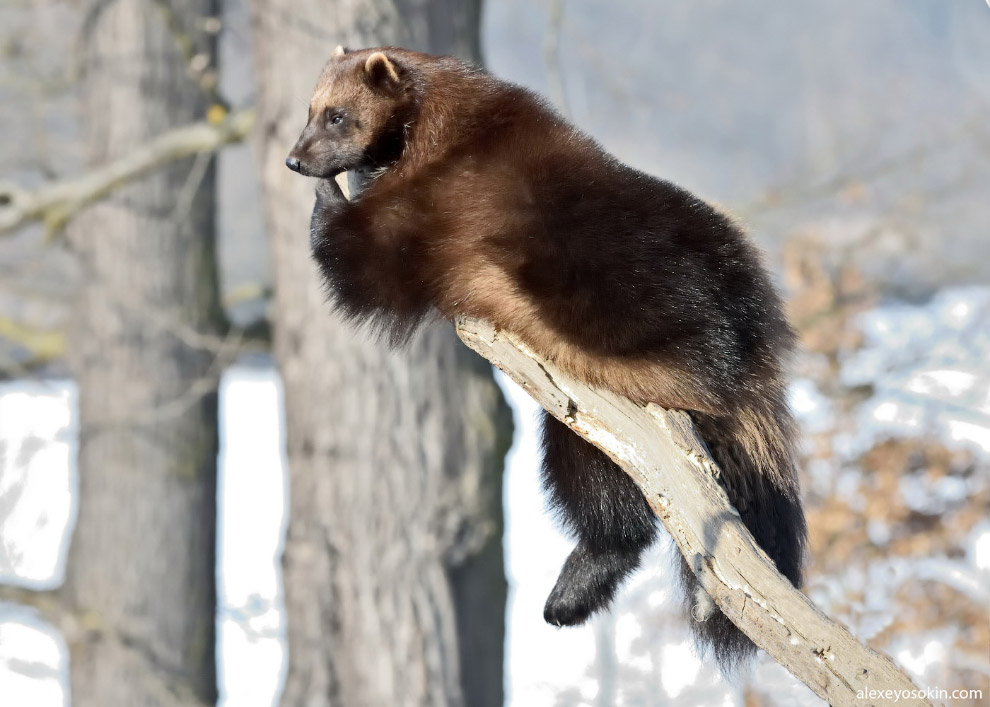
[
  {"x": 328, "y": 191},
  {"x": 565, "y": 607}
]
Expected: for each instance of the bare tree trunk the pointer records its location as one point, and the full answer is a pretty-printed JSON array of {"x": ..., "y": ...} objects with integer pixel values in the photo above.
[
  {"x": 393, "y": 569},
  {"x": 141, "y": 572}
]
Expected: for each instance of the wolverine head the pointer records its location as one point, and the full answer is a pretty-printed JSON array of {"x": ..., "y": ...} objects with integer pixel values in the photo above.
[{"x": 361, "y": 104}]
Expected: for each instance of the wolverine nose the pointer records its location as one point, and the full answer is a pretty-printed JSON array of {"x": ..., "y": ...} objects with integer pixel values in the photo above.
[{"x": 292, "y": 163}]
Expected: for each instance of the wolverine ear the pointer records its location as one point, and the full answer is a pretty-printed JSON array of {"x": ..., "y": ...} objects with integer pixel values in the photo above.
[
  {"x": 381, "y": 71},
  {"x": 339, "y": 51}
]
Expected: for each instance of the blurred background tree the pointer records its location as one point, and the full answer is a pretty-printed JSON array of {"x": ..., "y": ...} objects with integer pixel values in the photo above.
[
  {"x": 393, "y": 569},
  {"x": 139, "y": 599}
]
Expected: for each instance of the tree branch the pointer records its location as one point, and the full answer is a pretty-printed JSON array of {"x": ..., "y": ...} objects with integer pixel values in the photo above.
[
  {"x": 42, "y": 602},
  {"x": 660, "y": 450},
  {"x": 551, "y": 57},
  {"x": 45, "y": 345},
  {"x": 56, "y": 203}
]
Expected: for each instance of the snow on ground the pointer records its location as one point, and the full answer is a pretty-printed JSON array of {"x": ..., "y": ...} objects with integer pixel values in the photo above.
[
  {"x": 926, "y": 369},
  {"x": 37, "y": 480},
  {"x": 252, "y": 508},
  {"x": 531, "y": 569},
  {"x": 33, "y": 660},
  {"x": 37, "y": 453},
  {"x": 927, "y": 365},
  {"x": 37, "y": 512},
  {"x": 929, "y": 368}
]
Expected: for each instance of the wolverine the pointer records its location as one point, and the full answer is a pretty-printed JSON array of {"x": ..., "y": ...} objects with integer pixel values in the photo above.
[{"x": 479, "y": 199}]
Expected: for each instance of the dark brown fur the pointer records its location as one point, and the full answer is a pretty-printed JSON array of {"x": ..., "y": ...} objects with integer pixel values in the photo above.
[{"x": 485, "y": 202}]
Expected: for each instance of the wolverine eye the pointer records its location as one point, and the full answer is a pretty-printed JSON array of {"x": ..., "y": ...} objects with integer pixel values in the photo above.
[{"x": 335, "y": 118}]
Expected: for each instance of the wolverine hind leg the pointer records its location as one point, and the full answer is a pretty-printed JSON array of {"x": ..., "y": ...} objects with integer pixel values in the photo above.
[{"x": 604, "y": 508}]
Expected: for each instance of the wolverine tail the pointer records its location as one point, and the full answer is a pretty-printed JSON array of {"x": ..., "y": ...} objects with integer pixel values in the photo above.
[{"x": 755, "y": 451}]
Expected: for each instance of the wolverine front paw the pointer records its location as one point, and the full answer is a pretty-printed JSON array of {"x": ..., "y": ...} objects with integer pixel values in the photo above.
[{"x": 329, "y": 202}]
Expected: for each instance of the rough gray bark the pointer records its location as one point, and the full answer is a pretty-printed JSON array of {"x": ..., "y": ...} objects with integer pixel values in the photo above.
[
  {"x": 661, "y": 452},
  {"x": 140, "y": 577},
  {"x": 393, "y": 569}
]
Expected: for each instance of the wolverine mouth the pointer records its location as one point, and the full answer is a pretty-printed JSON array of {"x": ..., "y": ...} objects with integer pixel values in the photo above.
[{"x": 299, "y": 167}]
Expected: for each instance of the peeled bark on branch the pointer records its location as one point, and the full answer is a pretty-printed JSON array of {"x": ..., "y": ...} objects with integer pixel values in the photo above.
[{"x": 660, "y": 450}]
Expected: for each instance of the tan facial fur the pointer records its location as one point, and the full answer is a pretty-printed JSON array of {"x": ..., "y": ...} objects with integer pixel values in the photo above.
[{"x": 366, "y": 89}]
